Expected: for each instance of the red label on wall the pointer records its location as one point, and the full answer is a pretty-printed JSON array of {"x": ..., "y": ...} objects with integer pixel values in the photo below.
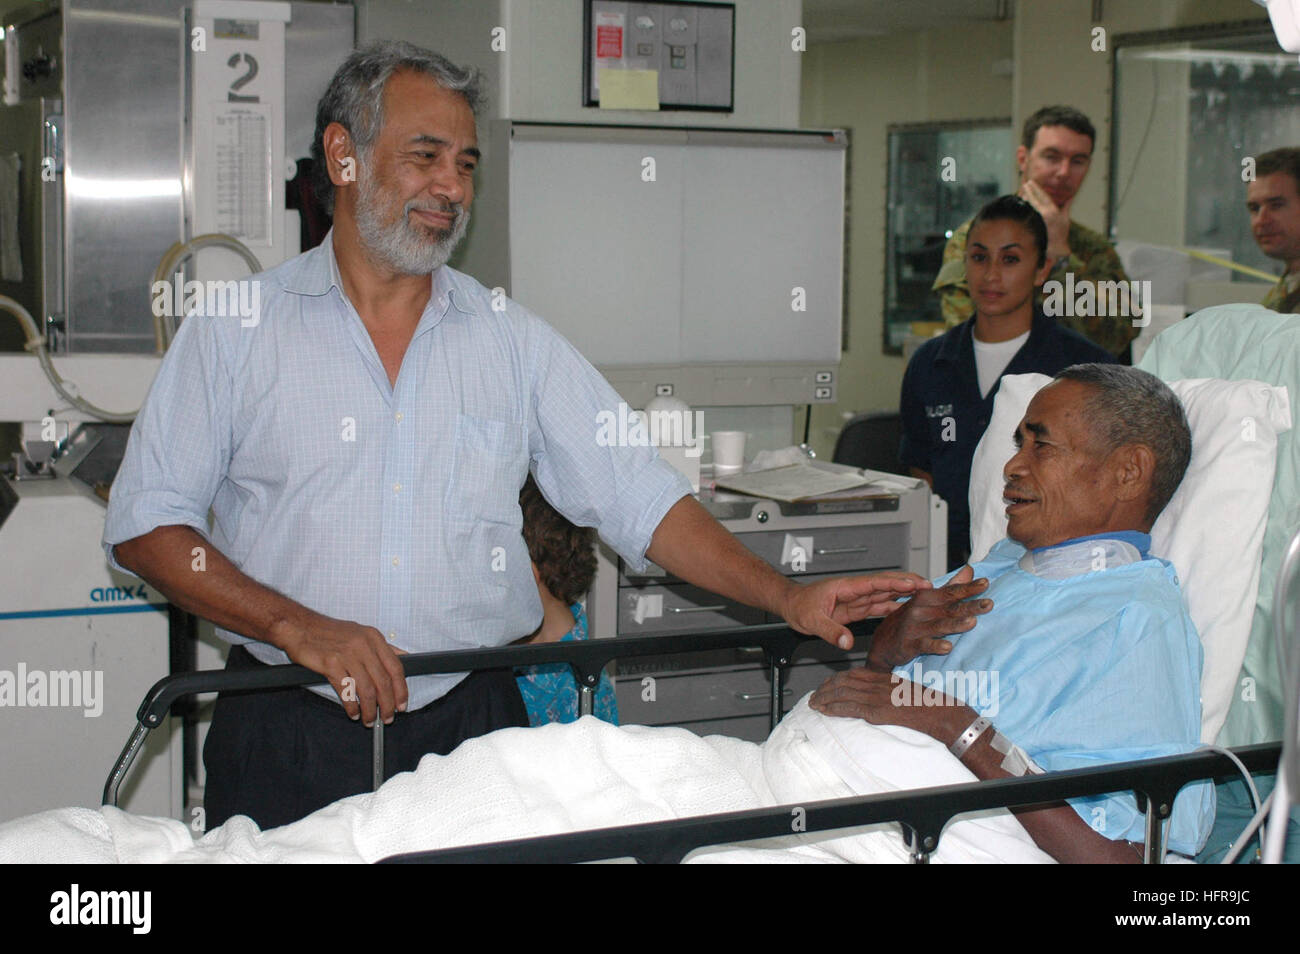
[{"x": 609, "y": 42}]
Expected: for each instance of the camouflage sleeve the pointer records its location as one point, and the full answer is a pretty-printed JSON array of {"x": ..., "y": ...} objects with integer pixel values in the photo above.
[
  {"x": 1093, "y": 259},
  {"x": 955, "y": 304},
  {"x": 1281, "y": 297},
  {"x": 1273, "y": 300}
]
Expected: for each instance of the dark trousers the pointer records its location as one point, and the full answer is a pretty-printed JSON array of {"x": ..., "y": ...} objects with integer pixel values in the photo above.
[{"x": 279, "y": 756}]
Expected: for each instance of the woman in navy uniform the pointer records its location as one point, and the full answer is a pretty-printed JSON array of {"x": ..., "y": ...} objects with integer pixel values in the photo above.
[{"x": 951, "y": 381}]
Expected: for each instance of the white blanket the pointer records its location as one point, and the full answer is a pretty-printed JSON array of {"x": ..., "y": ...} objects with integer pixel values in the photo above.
[{"x": 518, "y": 783}]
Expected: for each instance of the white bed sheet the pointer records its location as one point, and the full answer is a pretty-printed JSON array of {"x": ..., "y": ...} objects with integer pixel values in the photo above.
[{"x": 519, "y": 783}]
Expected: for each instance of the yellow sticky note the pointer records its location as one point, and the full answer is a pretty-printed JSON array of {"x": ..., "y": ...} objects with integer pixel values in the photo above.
[{"x": 628, "y": 89}]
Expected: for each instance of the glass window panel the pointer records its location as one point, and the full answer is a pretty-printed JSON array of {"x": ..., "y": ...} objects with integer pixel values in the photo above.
[{"x": 940, "y": 174}]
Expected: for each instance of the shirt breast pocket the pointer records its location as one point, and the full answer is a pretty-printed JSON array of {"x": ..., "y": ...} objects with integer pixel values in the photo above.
[{"x": 489, "y": 465}]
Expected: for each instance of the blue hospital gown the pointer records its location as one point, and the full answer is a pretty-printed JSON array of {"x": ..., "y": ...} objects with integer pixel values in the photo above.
[
  {"x": 551, "y": 693},
  {"x": 1097, "y": 668}
]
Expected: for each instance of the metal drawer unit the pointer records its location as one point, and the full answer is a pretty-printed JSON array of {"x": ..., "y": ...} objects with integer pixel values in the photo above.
[
  {"x": 720, "y": 692},
  {"x": 728, "y": 691}
]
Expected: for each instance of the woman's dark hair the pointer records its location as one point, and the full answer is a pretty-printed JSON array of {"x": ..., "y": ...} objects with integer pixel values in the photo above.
[
  {"x": 565, "y": 554},
  {"x": 1012, "y": 208}
]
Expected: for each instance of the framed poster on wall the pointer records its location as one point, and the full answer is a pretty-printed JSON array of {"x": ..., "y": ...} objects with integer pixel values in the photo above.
[{"x": 678, "y": 55}]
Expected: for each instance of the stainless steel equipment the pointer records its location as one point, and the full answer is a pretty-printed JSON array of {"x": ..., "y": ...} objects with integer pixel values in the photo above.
[{"x": 93, "y": 108}]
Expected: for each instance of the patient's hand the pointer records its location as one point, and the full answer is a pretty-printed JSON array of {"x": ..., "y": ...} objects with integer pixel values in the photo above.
[
  {"x": 919, "y": 626},
  {"x": 883, "y": 698}
]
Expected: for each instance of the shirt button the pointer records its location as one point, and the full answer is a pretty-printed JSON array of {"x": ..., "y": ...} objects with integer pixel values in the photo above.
[
  {"x": 395, "y": 561},
  {"x": 398, "y": 417},
  {"x": 391, "y": 637},
  {"x": 397, "y": 488}
]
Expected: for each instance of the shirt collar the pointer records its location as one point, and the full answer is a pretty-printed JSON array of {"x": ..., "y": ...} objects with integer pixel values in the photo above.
[
  {"x": 318, "y": 272},
  {"x": 951, "y": 344},
  {"x": 962, "y": 338},
  {"x": 1140, "y": 540}
]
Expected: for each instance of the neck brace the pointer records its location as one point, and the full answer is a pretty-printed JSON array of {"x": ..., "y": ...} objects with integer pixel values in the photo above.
[{"x": 1075, "y": 559}]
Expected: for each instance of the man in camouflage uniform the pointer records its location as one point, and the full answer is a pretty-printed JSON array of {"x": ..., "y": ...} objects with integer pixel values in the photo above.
[
  {"x": 1273, "y": 200},
  {"x": 1053, "y": 157}
]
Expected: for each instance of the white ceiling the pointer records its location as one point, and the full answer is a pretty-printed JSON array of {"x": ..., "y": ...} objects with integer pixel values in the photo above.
[{"x": 831, "y": 20}]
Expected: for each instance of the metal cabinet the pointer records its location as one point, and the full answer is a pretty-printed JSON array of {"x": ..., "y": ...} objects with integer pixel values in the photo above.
[{"x": 728, "y": 692}]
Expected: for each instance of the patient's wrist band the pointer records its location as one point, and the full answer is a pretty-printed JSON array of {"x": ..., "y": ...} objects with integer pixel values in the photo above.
[{"x": 967, "y": 738}]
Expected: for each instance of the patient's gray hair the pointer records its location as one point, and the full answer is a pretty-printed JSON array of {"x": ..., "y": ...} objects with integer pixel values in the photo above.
[
  {"x": 1130, "y": 406},
  {"x": 355, "y": 98}
]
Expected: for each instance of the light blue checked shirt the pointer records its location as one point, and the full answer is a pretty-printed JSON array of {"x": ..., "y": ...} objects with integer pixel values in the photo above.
[{"x": 395, "y": 507}]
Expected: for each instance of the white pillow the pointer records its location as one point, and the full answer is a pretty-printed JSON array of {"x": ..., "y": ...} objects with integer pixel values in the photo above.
[{"x": 1211, "y": 531}]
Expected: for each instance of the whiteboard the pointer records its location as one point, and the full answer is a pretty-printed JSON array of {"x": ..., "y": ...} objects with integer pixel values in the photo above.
[{"x": 680, "y": 247}]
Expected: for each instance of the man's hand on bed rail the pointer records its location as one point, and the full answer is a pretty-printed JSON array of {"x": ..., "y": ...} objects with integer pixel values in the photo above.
[
  {"x": 918, "y": 627},
  {"x": 337, "y": 649},
  {"x": 359, "y": 663}
]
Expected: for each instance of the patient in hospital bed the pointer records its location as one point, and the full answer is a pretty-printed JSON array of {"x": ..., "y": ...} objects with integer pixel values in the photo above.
[{"x": 1079, "y": 650}]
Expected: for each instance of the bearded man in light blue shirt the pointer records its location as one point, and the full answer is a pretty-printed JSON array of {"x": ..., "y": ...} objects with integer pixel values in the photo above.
[
  {"x": 1069, "y": 645},
  {"x": 361, "y": 445}
]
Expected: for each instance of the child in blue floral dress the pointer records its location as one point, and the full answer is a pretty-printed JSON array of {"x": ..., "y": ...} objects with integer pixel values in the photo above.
[{"x": 564, "y": 565}]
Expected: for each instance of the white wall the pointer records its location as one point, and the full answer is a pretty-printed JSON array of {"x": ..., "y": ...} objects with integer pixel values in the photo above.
[
  {"x": 865, "y": 85},
  {"x": 539, "y": 75},
  {"x": 1153, "y": 118}
]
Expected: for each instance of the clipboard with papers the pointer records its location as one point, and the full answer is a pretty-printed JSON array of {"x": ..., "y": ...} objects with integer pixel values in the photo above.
[{"x": 816, "y": 480}]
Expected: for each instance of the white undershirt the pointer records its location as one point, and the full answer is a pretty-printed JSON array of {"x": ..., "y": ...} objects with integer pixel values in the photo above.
[{"x": 992, "y": 358}]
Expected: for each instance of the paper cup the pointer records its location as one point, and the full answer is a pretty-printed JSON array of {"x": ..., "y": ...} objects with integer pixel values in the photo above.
[{"x": 728, "y": 452}]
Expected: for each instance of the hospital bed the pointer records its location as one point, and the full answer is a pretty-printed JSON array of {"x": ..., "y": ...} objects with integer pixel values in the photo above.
[
  {"x": 1247, "y": 444},
  {"x": 922, "y": 814}
]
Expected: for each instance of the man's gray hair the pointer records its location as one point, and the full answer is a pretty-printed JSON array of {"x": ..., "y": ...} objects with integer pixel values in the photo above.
[
  {"x": 355, "y": 98},
  {"x": 1130, "y": 406}
]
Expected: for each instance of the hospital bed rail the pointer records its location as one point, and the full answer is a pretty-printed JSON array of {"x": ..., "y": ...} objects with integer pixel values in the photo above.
[
  {"x": 923, "y": 813},
  {"x": 587, "y": 658}
]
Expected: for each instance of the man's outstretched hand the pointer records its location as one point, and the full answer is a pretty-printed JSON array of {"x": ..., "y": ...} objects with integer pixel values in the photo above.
[
  {"x": 823, "y": 608},
  {"x": 920, "y": 626}
]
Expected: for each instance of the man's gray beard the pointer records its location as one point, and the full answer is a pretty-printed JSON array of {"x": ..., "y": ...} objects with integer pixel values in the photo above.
[{"x": 398, "y": 245}]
